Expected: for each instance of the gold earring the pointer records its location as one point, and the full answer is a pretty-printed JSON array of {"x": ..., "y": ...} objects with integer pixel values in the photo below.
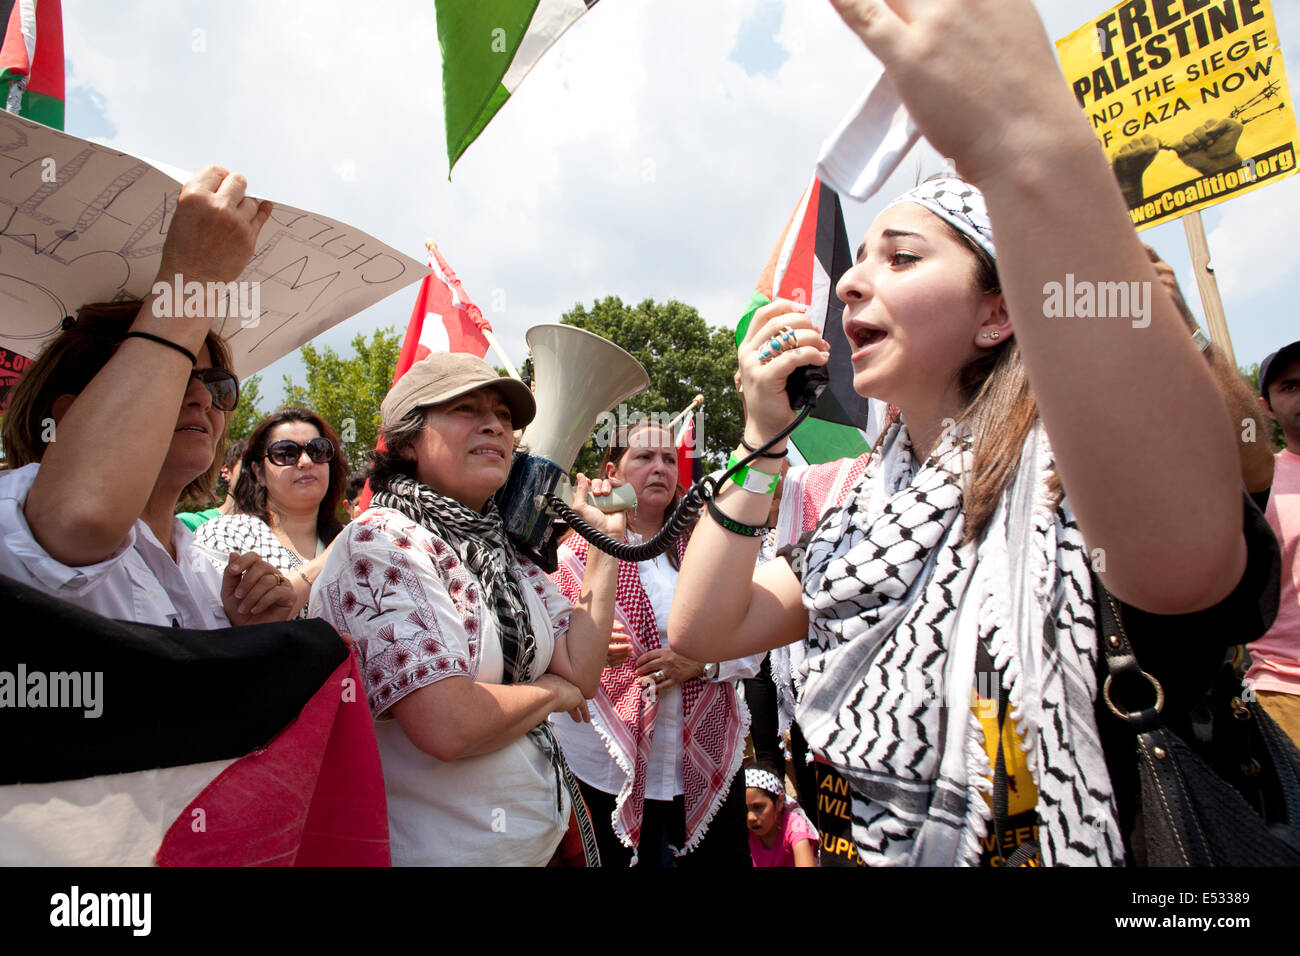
[{"x": 995, "y": 335}]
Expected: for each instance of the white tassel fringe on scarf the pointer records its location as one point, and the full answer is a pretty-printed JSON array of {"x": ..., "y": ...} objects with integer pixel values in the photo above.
[{"x": 896, "y": 612}]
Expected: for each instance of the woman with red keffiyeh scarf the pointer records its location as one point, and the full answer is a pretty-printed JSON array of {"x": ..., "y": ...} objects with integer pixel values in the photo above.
[{"x": 659, "y": 764}]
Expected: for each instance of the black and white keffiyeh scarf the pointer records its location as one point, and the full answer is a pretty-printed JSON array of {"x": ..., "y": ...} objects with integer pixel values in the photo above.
[
  {"x": 897, "y": 609},
  {"x": 480, "y": 540}
]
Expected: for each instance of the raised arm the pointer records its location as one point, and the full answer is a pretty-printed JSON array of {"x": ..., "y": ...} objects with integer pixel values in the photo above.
[
  {"x": 100, "y": 470},
  {"x": 1253, "y": 447},
  {"x": 1136, "y": 422},
  {"x": 723, "y": 608}
]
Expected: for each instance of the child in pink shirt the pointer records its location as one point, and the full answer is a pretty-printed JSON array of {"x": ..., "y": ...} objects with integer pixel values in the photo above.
[{"x": 779, "y": 833}]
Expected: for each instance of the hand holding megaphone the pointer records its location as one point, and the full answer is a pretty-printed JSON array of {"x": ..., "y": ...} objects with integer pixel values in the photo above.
[
  {"x": 617, "y": 496},
  {"x": 781, "y": 340},
  {"x": 602, "y": 503}
]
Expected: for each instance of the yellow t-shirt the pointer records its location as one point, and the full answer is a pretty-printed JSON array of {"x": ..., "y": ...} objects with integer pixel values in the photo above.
[{"x": 1022, "y": 794}]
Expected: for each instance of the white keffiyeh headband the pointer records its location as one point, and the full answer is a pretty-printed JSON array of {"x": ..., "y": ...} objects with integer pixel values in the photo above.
[
  {"x": 957, "y": 203},
  {"x": 763, "y": 780}
]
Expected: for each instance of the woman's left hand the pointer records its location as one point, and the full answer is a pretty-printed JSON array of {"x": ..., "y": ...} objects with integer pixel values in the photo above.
[
  {"x": 614, "y": 525},
  {"x": 254, "y": 592},
  {"x": 581, "y": 714},
  {"x": 666, "y": 668}
]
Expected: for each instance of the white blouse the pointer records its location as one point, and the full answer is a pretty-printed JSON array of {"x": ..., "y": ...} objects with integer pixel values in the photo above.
[
  {"x": 418, "y": 616},
  {"x": 138, "y": 582}
]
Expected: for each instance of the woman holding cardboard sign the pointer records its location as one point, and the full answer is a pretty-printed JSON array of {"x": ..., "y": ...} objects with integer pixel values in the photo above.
[{"x": 123, "y": 413}]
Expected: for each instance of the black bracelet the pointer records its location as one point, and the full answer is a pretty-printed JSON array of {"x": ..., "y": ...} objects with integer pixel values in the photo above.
[
  {"x": 735, "y": 527},
  {"x": 766, "y": 454},
  {"x": 194, "y": 359}
]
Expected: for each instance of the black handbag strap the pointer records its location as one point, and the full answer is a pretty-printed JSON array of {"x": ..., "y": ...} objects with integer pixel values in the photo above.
[{"x": 1122, "y": 665}]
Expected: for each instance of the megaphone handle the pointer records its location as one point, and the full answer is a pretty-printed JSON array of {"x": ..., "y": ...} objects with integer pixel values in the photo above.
[
  {"x": 622, "y": 498},
  {"x": 687, "y": 510},
  {"x": 805, "y": 385}
]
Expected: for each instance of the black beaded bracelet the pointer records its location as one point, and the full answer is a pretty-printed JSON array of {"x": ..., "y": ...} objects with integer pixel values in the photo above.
[
  {"x": 194, "y": 359},
  {"x": 735, "y": 527},
  {"x": 766, "y": 454}
]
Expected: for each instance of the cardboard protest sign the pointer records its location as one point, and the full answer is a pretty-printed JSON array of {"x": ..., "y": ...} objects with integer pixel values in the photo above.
[
  {"x": 1189, "y": 99},
  {"x": 81, "y": 222}
]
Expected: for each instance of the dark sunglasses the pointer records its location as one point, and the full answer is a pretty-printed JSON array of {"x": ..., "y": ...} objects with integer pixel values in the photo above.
[
  {"x": 286, "y": 452},
  {"x": 221, "y": 385}
]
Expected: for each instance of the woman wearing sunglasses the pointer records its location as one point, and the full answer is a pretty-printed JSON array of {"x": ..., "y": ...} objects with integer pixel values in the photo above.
[
  {"x": 291, "y": 483},
  {"x": 121, "y": 417}
]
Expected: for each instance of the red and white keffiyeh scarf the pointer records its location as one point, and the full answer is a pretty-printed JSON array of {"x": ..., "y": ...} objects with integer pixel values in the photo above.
[{"x": 623, "y": 712}]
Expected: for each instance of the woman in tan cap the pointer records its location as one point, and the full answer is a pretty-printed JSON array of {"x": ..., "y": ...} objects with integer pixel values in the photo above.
[{"x": 466, "y": 647}]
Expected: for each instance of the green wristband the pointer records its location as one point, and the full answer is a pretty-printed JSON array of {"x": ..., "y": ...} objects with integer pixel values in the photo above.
[{"x": 760, "y": 483}]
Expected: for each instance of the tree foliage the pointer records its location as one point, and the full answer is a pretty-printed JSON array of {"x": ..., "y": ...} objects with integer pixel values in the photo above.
[
  {"x": 683, "y": 356},
  {"x": 243, "y": 419},
  {"x": 347, "y": 392}
]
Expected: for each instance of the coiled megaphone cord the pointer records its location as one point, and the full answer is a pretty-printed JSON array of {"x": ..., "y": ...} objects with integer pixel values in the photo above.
[{"x": 687, "y": 510}]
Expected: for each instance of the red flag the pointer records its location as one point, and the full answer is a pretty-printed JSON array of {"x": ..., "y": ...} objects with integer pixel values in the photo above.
[
  {"x": 443, "y": 320},
  {"x": 690, "y": 456}
]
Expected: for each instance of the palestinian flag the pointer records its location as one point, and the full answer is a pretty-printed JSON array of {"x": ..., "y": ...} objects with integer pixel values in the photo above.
[
  {"x": 488, "y": 47},
  {"x": 809, "y": 258},
  {"x": 31, "y": 60},
  {"x": 131, "y": 744}
]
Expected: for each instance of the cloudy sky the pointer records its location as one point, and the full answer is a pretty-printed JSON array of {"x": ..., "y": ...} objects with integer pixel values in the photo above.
[{"x": 655, "y": 152}]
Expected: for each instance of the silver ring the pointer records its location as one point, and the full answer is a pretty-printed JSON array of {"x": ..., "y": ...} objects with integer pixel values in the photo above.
[
  {"x": 659, "y": 676},
  {"x": 788, "y": 337},
  {"x": 764, "y": 356}
]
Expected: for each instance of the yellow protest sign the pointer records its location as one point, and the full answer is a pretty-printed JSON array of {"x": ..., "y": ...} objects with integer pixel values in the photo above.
[{"x": 1189, "y": 99}]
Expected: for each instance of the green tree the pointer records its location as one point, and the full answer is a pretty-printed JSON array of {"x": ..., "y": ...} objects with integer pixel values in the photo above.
[
  {"x": 1251, "y": 375},
  {"x": 683, "y": 356},
  {"x": 347, "y": 392},
  {"x": 248, "y": 414}
]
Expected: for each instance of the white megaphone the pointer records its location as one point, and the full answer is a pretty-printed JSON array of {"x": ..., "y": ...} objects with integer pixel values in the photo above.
[{"x": 577, "y": 376}]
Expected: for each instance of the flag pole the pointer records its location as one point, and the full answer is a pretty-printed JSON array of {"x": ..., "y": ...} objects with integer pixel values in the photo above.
[
  {"x": 492, "y": 342},
  {"x": 1207, "y": 284},
  {"x": 696, "y": 402},
  {"x": 505, "y": 361}
]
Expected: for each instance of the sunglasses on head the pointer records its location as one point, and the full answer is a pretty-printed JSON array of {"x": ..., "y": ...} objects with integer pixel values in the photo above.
[
  {"x": 221, "y": 384},
  {"x": 286, "y": 452}
]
